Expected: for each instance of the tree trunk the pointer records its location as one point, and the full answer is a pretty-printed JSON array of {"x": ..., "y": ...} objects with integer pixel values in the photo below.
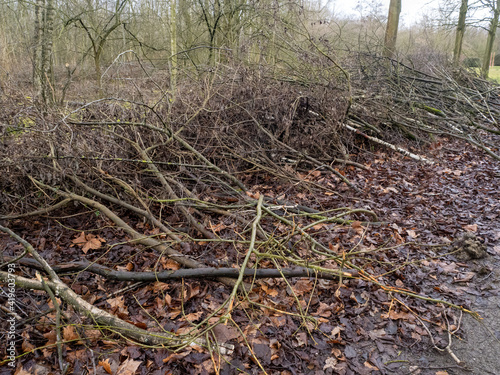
[
  {"x": 97, "y": 67},
  {"x": 490, "y": 41},
  {"x": 39, "y": 5},
  {"x": 391, "y": 32},
  {"x": 459, "y": 37},
  {"x": 173, "y": 47},
  {"x": 46, "y": 55}
]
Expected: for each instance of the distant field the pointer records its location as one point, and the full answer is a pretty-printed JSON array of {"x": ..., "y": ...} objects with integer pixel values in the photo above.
[{"x": 494, "y": 73}]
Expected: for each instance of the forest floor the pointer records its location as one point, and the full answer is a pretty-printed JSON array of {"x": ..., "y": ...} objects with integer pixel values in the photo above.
[
  {"x": 425, "y": 209},
  {"x": 437, "y": 202}
]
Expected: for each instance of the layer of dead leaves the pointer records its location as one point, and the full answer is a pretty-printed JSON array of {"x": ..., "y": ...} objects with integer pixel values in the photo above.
[{"x": 354, "y": 328}]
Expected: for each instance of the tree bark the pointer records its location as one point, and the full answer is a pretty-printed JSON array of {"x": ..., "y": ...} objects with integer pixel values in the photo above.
[
  {"x": 391, "y": 32},
  {"x": 491, "y": 40},
  {"x": 39, "y": 5},
  {"x": 46, "y": 52},
  {"x": 173, "y": 47},
  {"x": 459, "y": 37}
]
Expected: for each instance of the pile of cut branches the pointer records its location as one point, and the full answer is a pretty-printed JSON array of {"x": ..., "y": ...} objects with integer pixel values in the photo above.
[
  {"x": 394, "y": 102},
  {"x": 194, "y": 182}
]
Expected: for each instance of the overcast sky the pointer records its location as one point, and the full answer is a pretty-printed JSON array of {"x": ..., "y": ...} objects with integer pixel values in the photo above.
[{"x": 411, "y": 10}]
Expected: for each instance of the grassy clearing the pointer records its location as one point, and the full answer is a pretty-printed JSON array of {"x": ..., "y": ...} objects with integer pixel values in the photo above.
[{"x": 494, "y": 73}]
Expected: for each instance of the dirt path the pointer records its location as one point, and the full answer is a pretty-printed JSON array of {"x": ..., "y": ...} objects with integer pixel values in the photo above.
[
  {"x": 460, "y": 194},
  {"x": 479, "y": 344}
]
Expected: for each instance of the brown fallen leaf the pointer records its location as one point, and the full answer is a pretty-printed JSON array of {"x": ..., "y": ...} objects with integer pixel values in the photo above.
[
  {"x": 464, "y": 278},
  {"x": 411, "y": 233},
  {"x": 193, "y": 316},
  {"x": 390, "y": 188},
  {"x": 106, "y": 366},
  {"x": 117, "y": 302},
  {"x": 118, "y": 306},
  {"x": 371, "y": 367},
  {"x": 224, "y": 333},
  {"x": 398, "y": 238},
  {"x": 396, "y": 315},
  {"x": 315, "y": 173},
  {"x": 27, "y": 346},
  {"x": 176, "y": 356},
  {"x": 93, "y": 334},
  {"x": 255, "y": 195},
  {"x": 334, "y": 247},
  {"x": 270, "y": 291},
  {"x": 22, "y": 371},
  {"x": 302, "y": 286},
  {"x": 217, "y": 228},
  {"x": 51, "y": 336},
  {"x": 319, "y": 226},
  {"x": 324, "y": 310},
  {"x": 128, "y": 367},
  {"x": 470, "y": 228},
  {"x": 171, "y": 264},
  {"x": 80, "y": 240},
  {"x": 356, "y": 225},
  {"x": 88, "y": 241},
  {"x": 330, "y": 363},
  {"x": 69, "y": 333},
  {"x": 128, "y": 267}
]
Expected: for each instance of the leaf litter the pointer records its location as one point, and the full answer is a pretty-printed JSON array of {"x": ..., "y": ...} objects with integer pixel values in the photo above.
[{"x": 305, "y": 325}]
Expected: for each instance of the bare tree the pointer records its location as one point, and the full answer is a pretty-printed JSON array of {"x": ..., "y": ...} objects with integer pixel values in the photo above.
[
  {"x": 46, "y": 58},
  {"x": 36, "y": 43},
  {"x": 212, "y": 13},
  {"x": 173, "y": 46},
  {"x": 98, "y": 30}
]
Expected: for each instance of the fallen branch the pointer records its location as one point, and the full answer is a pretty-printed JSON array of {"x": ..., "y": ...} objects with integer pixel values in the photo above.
[
  {"x": 146, "y": 241},
  {"x": 197, "y": 273},
  {"x": 103, "y": 318},
  {"x": 39, "y": 212},
  {"x": 391, "y": 146},
  {"x": 448, "y": 347}
]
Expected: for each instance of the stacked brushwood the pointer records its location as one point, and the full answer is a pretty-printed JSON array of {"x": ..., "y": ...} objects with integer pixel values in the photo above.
[{"x": 181, "y": 166}]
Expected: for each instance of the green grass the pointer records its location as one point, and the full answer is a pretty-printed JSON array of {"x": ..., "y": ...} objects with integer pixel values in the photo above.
[{"x": 494, "y": 73}]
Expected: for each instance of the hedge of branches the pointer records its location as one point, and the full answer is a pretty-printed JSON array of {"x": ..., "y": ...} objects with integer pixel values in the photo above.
[{"x": 186, "y": 162}]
